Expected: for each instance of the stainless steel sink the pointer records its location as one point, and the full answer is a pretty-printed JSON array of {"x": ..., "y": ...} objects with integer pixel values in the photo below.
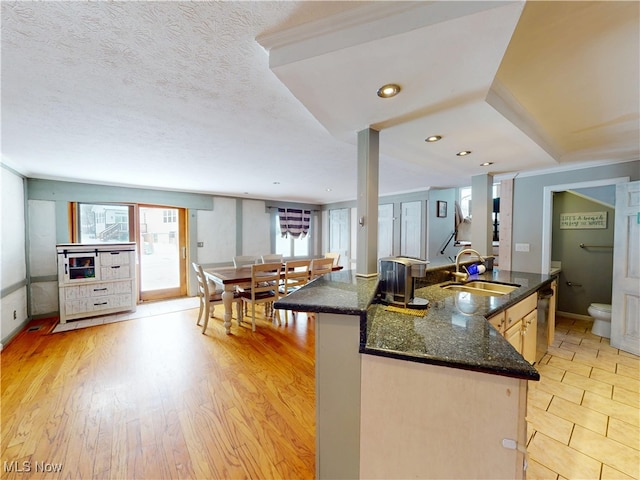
[{"x": 482, "y": 287}]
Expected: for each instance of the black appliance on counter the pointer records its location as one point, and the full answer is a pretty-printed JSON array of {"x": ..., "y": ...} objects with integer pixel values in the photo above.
[{"x": 397, "y": 281}]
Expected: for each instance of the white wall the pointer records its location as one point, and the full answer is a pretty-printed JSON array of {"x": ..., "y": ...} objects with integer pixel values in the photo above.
[
  {"x": 42, "y": 256},
  {"x": 256, "y": 228},
  {"x": 13, "y": 262},
  {"x": 440, "y": 228},
  {"x": 214, "y": 229},
  {"x": 12, "y": 259}
]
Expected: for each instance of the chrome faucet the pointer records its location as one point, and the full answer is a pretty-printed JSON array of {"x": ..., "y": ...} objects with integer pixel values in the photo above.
[{"x": 462, "y": 275}]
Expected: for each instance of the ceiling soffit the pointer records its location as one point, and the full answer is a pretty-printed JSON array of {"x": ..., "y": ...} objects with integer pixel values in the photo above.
[
  {"x": 418, "y": 45},
  {"x": 570, "y": 77}
]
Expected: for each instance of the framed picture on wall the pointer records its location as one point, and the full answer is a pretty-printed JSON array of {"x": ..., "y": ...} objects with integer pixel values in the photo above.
[{"x": 441, "y": 208}]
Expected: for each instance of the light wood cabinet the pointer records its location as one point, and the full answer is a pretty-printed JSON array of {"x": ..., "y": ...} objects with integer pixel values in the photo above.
[
  {"x": 514, "y": 336},
  {"x": 95, "y": 279},
  {"x": 498, "y": 321},
  {"x": 529, "y": 336},
  {"x": 518, "y": 324},
  {"x": 517, "y": 312}
]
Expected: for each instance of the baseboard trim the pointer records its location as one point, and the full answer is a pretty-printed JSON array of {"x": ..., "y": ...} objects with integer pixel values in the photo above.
[
  {"x": 6, "y": 340},
  {"x": 574, "y": 316}
]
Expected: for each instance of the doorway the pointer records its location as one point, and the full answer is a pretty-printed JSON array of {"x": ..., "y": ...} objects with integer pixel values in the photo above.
[
  {"x": 547, "y": 212},
  {"x": 162, "y": 252},
  {"x": 339, "y": 236}
]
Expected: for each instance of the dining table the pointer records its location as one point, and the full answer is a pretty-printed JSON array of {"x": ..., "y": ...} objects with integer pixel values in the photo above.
[{"x": 229, "y": 278}]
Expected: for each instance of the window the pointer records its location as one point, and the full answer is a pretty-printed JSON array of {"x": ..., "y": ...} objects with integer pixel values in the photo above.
[
  {"x": 465, "y": 201},
  {"x": 170, "y": 216},
  {"x": 98, "y": 223},
  {"x": 465, "y": 198},
  {"x": 288, "y": 246}
]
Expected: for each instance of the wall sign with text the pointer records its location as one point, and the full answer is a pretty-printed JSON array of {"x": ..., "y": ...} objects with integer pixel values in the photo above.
[{"x": 585, "y": 220}]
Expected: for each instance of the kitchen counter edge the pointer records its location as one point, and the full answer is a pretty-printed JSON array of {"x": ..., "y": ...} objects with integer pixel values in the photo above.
[{"x": 477, "y": 346}]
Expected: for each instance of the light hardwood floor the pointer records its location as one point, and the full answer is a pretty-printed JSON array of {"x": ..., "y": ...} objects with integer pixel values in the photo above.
[{"x": 154, "y": 398}]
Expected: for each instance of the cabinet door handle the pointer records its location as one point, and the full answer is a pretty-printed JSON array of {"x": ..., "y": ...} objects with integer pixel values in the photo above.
[
  {"x": 115, "y": 266},
  {"x": 99, "y": 289},
  {"x": 102, "y": 303}
]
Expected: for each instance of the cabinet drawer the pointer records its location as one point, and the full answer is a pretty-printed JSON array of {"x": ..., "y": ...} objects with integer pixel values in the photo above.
[
  {"x": 513, "y": 335},
  {"x": 96, "y": 304},
  {"x": 115, "y": 272},
  {"x": 521, "y": 309},
  {"x": 498, "y": 321},
  {"x": 530, "y": 318},
  {"x": 112, "y": 301},
  {"x": 115, "y": 258},
  {"x": 97, "y": 290}
]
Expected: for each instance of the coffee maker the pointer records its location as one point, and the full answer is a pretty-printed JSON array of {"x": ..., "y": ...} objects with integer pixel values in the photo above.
[{"x": 397, "y": 281}]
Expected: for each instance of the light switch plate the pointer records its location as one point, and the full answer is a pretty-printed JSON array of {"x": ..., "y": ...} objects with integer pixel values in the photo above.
[{"x": 522, "y": 247}]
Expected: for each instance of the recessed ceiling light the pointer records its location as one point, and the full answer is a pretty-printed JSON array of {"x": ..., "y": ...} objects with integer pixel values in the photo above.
[
  {"x": 433, "y": 138},
  {"x": 389, "y": 90},
  {"x": 464, "y": 153},
  {"x": 486, "y": 164},
  {"x": 329, "y": 189}
]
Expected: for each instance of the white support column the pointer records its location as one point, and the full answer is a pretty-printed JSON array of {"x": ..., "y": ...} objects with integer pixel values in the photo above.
[
  {"x": 367, "y": 230},
  {"x": 482, "y": 209}
]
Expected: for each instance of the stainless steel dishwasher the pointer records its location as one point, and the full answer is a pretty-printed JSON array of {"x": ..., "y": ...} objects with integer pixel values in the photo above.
[{"x": 544, "y": 296}]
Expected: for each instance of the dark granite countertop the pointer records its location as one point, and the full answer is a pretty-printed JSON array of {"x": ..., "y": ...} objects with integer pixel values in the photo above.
[{"x": 454, "y": 331}]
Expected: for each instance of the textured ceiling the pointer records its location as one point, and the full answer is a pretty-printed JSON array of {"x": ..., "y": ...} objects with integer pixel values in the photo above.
[{"x": 181, "y": 96}]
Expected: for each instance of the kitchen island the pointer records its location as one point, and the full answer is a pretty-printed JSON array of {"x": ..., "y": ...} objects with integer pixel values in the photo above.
[{"x": 433, "y": 394}]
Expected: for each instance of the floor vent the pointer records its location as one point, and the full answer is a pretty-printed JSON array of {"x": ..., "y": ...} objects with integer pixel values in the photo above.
[{"x": 35, "y": 328}]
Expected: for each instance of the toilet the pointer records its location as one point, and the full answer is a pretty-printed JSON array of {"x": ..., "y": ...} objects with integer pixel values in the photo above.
[{"x": 601, "y": 314}]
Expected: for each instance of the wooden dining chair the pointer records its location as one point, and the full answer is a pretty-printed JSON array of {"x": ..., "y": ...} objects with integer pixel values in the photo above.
[
  {"x": 244, "y": 260},
  {"x": 296, "y": 274},
  {"x": 335, "y": 256},
  {"x": 265, "y": 280},
  {"x": 320, "y": 266},
  {"x": 209, "y": 299},
  {"x": 272, "y": 258}
]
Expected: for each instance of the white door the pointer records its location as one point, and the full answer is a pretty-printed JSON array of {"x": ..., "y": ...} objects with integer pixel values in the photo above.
[
  {"x": 411, "y": 228},
  {"x": 385, "y": 230},
  {"x": 625, "y": 303},
  {"x": 339, "y": 233}
]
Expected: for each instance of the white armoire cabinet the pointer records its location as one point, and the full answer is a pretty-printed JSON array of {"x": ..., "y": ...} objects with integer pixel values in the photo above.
[{"x": 96, "y": 279}]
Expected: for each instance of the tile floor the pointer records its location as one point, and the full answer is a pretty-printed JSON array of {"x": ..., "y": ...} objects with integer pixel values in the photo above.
[{"x": 584, "y": 414}]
